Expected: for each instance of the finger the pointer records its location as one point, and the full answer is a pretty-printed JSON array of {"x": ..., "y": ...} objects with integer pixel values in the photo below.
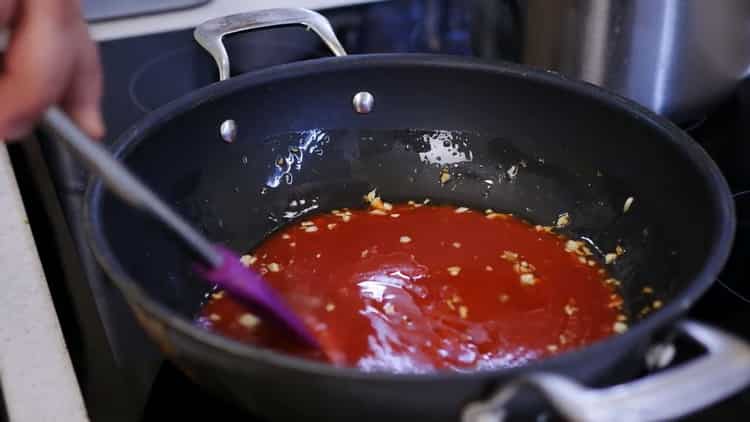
[
  {"x": 7, "y": 12},
  {"x": 83, "y": 94},
  {"x": 37, "y": 67}
]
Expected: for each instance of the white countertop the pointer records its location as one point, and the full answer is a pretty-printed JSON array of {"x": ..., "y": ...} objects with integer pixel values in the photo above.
[
  {"x": 36, "y": 374},
  {"x": 38, "y": 382}
]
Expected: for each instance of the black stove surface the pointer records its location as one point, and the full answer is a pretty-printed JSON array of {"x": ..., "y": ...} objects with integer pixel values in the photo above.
[{"x": 145, "y": 72}]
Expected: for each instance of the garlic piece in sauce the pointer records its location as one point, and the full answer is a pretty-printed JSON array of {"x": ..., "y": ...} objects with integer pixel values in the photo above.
[
  {"x": 248, "y": 260},
  {"x": 248, "y": 320}
]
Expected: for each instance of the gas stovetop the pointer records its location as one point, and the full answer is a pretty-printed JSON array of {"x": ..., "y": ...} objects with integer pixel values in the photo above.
[{"x": 122, "y": 375}]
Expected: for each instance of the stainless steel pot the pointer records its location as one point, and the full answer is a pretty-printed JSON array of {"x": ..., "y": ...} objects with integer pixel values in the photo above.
[{"x": 677, "y": 57}]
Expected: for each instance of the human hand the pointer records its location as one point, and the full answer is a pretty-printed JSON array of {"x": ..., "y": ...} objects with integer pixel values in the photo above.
[{"x": 50, "y": 60}]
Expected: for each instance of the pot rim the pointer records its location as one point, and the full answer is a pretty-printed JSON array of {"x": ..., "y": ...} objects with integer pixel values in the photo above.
[{"x": 672, "y": 310}]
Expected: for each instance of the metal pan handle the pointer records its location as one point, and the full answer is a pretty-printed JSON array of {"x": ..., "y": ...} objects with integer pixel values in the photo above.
[
  {"x": 722, "y": 371},
  {"x": 210, "y": 34}
]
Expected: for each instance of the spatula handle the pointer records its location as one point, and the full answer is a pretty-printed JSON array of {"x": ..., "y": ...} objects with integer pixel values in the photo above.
[{"x": 125, "y": 184}]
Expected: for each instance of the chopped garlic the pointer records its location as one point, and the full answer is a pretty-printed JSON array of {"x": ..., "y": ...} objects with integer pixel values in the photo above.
[
  {"x": 628, "y": 204},
  {"x": 461, "y": 210},
  {"x": 454, "y": 271},
  {"x": 370, "y": 197},
  {"x": 528, "y": 279},
  {"x": 404, "y": 239},
  {"x": 311, "y": 229},
  {"x": 610, "y": 258},
  {"x": 612, "y": 282},
  {"x": 248, "y": 260},
  {"x": 248, "y": 320},
  {"x": 572, "y": 245},
  {"x": 444, "y": 176},
  {"x": 274, "y": 267},
  {"x": 509, "y": 256},
  {"x": 463, "y": 311},
  {"x": 619, "y": 327},
  {"x": 563, "y": 220}
]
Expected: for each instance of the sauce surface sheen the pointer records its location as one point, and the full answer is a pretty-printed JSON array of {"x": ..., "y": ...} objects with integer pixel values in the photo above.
[{"x": 413, "y": 288}]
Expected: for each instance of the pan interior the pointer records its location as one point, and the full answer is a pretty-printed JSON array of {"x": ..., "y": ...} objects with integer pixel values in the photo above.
[{"x": 511, "y": 142}]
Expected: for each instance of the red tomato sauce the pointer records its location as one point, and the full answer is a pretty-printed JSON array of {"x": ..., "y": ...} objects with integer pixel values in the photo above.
[{"x": 418, "y": 288}]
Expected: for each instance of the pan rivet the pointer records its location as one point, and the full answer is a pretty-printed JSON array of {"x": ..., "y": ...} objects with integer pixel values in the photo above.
[
  {"x": 363, "y": 102},
  {"x": 228, "y": 131}
]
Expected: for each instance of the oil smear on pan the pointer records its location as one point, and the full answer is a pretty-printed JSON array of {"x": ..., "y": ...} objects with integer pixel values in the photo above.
[
  {"x": 445, "y": 147},
  {"x": 308, "y": 142},
  {"x": 433, "y": 147},
  {"x": 458, "y": 156}
]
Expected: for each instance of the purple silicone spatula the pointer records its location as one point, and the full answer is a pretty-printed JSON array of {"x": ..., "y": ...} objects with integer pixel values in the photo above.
[{"x": 221, "y": 266}]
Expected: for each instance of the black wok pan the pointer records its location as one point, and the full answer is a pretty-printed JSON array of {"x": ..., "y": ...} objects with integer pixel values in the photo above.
[{"x": 549, "y": 145}]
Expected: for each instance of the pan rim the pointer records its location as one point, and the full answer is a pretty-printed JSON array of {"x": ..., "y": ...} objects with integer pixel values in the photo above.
[{"x": 644, "y": 329}]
